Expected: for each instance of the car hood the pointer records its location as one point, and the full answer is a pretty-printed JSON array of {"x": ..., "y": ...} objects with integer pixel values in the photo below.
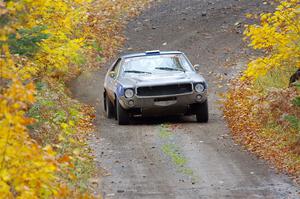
[{"x": 167, "y": 78}]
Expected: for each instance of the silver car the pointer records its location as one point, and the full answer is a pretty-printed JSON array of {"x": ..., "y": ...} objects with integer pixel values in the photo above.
[{"x": 154, "y": 83}]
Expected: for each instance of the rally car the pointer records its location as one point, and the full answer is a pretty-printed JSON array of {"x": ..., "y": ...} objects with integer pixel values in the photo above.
[{"x": 154, "y": 83}]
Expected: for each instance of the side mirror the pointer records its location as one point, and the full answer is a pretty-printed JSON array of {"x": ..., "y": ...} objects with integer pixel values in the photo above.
[
  {"x": 112, "y": 74},
  {"x": 197, "y": 67}
]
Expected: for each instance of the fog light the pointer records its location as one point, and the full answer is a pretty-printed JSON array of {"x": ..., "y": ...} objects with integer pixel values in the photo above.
[
  {"x": 131, "y": 103},
  {"x": 198, "y": 97}
]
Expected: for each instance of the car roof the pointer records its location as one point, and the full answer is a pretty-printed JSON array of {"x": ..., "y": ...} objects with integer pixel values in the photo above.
[{"x": 149, "y": 53}]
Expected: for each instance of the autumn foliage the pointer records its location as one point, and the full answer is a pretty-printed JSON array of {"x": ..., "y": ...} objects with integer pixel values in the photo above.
[
  {"x": 262, "y": 111},
  {"x": 18, "y": 176},
  {"x": 278, "y": 36},
  {"x": 43, "y": 149},
  {"x": 36, "y": 42}
]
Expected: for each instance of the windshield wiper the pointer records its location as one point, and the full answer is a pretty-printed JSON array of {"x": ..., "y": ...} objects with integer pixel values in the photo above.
[
  {"x": 169, "y": 69},
  {"x": 136, "y": 71}
]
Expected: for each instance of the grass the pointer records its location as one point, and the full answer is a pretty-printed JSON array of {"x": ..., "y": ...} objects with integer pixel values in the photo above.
[
  {"x": 275, "y": 79},
  {"x": 173, "y": 152},
  {"x": 165, "y": 132}
]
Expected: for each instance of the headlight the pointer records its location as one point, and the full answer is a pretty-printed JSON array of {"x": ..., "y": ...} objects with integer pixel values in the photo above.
[
  {"x": 129, "y": 93},
  {"x": 199, "y": 88}
]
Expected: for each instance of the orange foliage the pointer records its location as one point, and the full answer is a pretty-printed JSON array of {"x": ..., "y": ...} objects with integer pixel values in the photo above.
[
  {"x": 263, "y": 114},
  {"x": 257, "y": 122}
]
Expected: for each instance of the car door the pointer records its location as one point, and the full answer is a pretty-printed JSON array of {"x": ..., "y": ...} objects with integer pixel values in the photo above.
[{"x": 111, "y": 79}]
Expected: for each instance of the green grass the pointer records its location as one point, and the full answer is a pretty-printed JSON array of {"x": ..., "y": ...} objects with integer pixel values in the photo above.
[
  {"x": 187, "y": 171},
  {"x": 172, "y": 151},
  {"x": 276, "y": 78},
  {"x": 164, "y": 132}
]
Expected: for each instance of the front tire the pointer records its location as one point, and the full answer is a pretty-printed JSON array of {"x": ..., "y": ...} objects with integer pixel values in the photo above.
[
  {"x": 202, "y": 112},
  {"x": 109, "y": 107},
  {"x": 122, "y": 114}
]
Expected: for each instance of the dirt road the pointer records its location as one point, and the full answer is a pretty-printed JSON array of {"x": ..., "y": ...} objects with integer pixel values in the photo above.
[{"x": 184, "y": 160}]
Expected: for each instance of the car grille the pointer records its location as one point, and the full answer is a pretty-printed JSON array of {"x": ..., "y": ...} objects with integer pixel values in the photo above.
[{"x": 163, "y": 90}]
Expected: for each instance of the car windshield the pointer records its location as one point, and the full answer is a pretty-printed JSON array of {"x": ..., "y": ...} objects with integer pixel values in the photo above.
[{"x": 155, "y": 64}]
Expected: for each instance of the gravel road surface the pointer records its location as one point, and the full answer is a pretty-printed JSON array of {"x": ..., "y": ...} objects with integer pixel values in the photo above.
[{"x": 186, "y": 160}]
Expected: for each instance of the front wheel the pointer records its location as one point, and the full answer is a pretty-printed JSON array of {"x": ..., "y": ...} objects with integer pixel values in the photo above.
[
  {"x": 109, "y": 107},
  {"x": 202, "y": 112},
  {"x": 122, "y": 115}
]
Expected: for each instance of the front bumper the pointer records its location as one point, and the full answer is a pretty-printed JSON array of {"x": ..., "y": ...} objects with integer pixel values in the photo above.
[{"x": 163, "y": 103}]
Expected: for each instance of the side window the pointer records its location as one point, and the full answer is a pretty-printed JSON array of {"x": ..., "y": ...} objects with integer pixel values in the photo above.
[
  {"x": 115, "y": 69},
  {"x": 117, "y": 65}
]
